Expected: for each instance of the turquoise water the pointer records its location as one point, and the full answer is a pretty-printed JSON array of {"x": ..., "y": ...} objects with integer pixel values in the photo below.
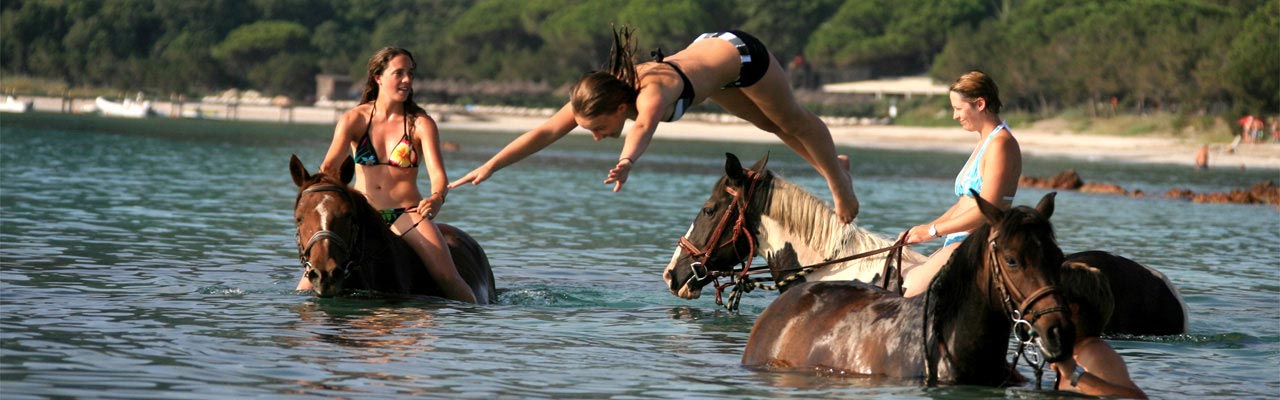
[{"x": 156, "y": 259}]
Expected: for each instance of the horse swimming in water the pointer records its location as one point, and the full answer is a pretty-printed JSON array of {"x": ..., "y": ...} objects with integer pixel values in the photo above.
[
  {"x": 754, "y": 212},
  {"x": 1001, "y": 278},
  {"x": 349, "y": 247}
]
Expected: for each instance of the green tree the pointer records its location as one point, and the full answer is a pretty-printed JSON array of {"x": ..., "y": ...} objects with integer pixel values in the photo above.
[
  {"x": 256, "y": 52},
  {"x": 1253, "y": 70},
  {"x": 30, "y": 38},
  {"x": 900, "y": 36},
  {"x": 672, "y": 24},
  {"x": 497, "y": 39},
  {"x": 785, "y": 25},
  {"x": 110, "y": 46},
  {"x": 577, "y": 38}
]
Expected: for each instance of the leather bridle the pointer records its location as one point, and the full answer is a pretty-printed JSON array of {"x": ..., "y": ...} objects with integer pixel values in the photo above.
[
  {"x": 734, "y": 222},
  {"x": 304, "y": 251},
  {"x": 1020, "y": 310}
]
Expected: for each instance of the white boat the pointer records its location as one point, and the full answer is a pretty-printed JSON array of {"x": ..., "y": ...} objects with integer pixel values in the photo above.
[
  {"x": 128, "y": 108},
  {"x": 13, "y": 105}
]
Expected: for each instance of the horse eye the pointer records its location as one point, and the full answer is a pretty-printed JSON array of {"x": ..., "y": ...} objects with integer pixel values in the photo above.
[
  {"x": 1011, "y": 261},
  {"x": 708, "y": 211}
]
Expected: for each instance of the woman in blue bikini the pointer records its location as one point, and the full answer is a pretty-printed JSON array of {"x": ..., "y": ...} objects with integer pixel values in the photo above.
[
  {"x": 732, "y": 68},
  {"x": 387, "y": 121},
  {"x": 992, "y": 170}
]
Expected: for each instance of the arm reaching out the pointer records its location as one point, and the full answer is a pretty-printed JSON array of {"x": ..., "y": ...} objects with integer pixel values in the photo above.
[
  {"x": 528, "y": 143},
  {"x": 649, "y": 108}
]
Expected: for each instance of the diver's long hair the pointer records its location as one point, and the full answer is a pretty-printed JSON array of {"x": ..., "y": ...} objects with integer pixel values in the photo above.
[
  {"x": 600, "y": 92},
  {"x": 378, "y": 65}
]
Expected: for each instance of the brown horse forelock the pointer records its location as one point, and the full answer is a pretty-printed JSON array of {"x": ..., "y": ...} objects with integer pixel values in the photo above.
[{"x": 1022, "y": 230}]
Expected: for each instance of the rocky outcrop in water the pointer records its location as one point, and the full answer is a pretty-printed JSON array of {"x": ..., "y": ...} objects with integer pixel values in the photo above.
[
  {"x": 1070, "y": 180},
  {"x": 1262, "y": 193},
  {"x": 1266, "y": 192}
]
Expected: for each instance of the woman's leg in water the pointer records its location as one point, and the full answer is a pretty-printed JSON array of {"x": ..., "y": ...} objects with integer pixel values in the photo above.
[{"x": 426, "y": 240}]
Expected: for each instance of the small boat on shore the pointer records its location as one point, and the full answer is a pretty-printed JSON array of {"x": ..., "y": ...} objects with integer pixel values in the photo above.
[
  {"x": 13, "y": 105},
  {"x": 127, "y": 108}
]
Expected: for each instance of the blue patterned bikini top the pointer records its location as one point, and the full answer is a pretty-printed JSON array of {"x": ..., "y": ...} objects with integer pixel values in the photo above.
[{"x": 970, "y": 177}]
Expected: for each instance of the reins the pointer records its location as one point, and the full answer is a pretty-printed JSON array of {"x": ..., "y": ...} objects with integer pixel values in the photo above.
[
  {"x": 1022, "y": 319},
  {"x": 740, "y": 281},
  {"x": 741, "y": 201}
]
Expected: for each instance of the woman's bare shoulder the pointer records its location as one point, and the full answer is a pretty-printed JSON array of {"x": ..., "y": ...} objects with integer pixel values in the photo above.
[
  {"x": 423, "y": 122},
  {"x": 1004, "y": 143},
  {"x": 358, "y": 114}
]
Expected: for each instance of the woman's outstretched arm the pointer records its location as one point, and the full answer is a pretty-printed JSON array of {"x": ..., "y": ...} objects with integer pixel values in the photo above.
[{"x": 528, "y": 143}]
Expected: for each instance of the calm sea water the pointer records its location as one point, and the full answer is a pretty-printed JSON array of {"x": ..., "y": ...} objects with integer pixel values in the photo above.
[{"x": 156, "y": 259}]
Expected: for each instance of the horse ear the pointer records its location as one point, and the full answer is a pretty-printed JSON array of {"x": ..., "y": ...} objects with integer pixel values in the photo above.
[
  {"x": 1046, "y": 205},
  {"x": 733, "y": 167},
  {"x": 298, "y": 171},
  {"x": 348, "y": 170},
  {"x": 993, "y": 214},
  {"x": 759, "y": 167}
]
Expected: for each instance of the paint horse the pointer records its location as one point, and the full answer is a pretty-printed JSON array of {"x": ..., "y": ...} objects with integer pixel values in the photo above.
[
  {"x": 349, "y": 247},
  {"x": 1001, "y": 279},
  {"x": 754, "y": 212}
]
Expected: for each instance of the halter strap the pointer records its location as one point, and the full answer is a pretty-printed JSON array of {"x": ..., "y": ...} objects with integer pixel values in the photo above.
[
  {"x": 741, "y": 201},
  {"x": 324, "y": 234}
]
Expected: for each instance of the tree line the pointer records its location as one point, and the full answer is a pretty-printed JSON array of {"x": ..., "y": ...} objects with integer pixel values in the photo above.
[{"x": 1190, "y": 56}]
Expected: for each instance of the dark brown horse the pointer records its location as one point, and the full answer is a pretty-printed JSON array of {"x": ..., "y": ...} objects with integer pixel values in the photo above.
[
  {"x": 958, "y": 332},
  {"x": 343, "y": 243},
  {"x": 753, "y": 212}
]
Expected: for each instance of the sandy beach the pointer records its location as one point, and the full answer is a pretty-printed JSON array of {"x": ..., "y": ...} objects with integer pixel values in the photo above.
[{"x": 1034, "y": 140}]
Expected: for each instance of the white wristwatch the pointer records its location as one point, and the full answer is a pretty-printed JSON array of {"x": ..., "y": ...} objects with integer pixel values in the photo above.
[{"x": 933, "y": 230}]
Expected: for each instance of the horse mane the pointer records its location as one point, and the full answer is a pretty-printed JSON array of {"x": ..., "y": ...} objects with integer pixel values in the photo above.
[
  {"x": 954, "y": 282},
  {"x": 808, "y": 218}
]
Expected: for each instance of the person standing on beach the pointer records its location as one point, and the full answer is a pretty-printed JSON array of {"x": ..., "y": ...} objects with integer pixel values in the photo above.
[
  {"x": 732, "y": 68},
  {"x": 993, "y": 170},
  {"x": 1202, "y": 157},
  {"x": 385, "y": 135}
]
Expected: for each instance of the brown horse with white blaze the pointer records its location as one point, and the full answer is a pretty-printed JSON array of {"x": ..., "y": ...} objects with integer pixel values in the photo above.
[
  {"x": 1001, "y": 278},
  {"x": 347, "y": 246}
]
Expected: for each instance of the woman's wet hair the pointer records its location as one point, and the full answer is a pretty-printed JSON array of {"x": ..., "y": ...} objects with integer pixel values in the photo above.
[
  {"x": 600, "y": 92},
  {"x": 377, "y": 65},
  {"x": 1089, "y": 288},
  {"x": 975, "y": 85}
]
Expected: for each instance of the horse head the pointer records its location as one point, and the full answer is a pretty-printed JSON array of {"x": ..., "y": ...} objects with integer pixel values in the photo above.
[
  {"x": 721, "y": 236},
  {"x": 325, "y": 212},
  {"x": 1024, "y": 264}
]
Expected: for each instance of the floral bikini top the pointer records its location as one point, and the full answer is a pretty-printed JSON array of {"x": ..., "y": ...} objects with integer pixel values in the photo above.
[{"x": 403, "y": 155}]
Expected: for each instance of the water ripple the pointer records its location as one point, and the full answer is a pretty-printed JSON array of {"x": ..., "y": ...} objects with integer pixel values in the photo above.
[{"x": 166, "y": 267}]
